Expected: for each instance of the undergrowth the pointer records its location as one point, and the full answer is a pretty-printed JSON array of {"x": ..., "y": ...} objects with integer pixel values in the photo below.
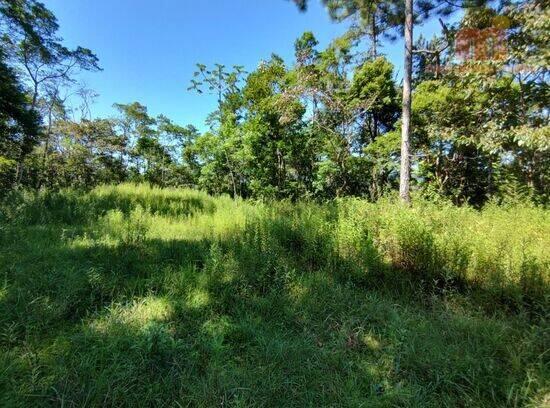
[{"x": 139, "y": 296}]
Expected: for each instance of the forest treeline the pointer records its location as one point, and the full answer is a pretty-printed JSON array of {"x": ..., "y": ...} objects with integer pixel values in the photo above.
[{"x": 327, "y": 124}]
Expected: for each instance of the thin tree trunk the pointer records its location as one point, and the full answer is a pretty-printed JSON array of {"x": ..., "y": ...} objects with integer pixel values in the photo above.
[
  {"x": 404, "y": 181},
  {"x": 374, "y": 54},
  {"x": 34, "y": 95},
  {"x": 42, "y": 175},
  {"x": 18, "y": 171},
  {"x": 374, "y": 35},
  {"x": 232, "y": 175},
  {"x": 490, "y": 177}
]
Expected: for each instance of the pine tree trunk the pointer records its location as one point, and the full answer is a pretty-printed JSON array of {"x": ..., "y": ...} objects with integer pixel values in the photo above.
[
  {"x": 404, "y": 181},
  {"x": 374, "y": 36}
]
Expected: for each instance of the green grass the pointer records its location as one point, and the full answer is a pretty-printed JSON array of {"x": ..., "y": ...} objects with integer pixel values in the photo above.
[{"x": 133, "y": 296}]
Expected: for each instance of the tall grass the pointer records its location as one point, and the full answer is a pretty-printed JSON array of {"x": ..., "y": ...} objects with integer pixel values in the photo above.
[{"x": 139, "y": 296}]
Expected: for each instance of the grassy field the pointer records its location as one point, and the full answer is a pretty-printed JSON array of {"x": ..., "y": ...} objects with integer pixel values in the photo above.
[{"x": 132, "y": 296}]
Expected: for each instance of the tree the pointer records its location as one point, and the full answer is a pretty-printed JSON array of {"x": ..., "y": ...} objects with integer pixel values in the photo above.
[
  {"x": 226, "y": 86},
  {"x": 29, "y": 36},
  {"x": 482, "y": 126},
  {"x": 391, "y": 15},
  {"x": 36, "y": 47},
  {"x": 405, "y": 177},
  {"x": 19, "y": 124},
  {"x": 158, "y": 150},
  {"x": 217, "y": 81},
  {"x": 178, "y": 141},
  {"x": 138, "y": 128},
  {"x": 373, "y": 90},
  {"x": 84, "y": 154}
]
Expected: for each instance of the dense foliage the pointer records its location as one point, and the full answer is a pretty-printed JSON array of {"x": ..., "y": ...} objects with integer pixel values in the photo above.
[
  {"x": 139, "y": 296},
  {"x": 325, "y": 125}
]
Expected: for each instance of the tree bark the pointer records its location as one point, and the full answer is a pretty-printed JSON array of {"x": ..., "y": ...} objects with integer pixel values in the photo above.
[
  {"x": 405, "y": 176},
  {"x": 43, "y": 171},
  {"x": 374, "y": 35}
]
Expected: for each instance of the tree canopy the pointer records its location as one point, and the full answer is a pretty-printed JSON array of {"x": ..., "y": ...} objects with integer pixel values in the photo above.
[{"x": 324, "y": 125}]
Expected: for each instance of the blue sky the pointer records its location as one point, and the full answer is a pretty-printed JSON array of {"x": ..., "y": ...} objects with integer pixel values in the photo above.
[{"x": 148, "y": 49}]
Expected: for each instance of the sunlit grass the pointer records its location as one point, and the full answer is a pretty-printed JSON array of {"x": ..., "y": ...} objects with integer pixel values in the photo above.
[{"x": 140, "y": 296}]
